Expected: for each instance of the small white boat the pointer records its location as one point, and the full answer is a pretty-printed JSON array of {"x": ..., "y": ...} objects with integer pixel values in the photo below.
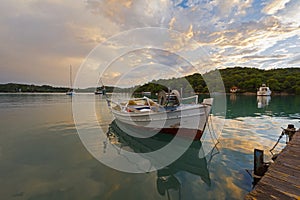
[
  {"x": 169, "y": 115},
  {"x": 264, "y": 91},
  {"x": 70, "y": 92}
]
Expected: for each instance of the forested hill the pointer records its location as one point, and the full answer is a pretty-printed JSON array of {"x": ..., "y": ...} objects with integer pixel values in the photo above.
[
  {"x": 246, "y": 79},
  {"x": 249, "y": 79},
  {"x": 16, "y": 87}
]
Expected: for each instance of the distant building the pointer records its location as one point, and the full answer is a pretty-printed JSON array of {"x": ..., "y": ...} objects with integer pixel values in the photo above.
[{"x": 234, "y": 89}]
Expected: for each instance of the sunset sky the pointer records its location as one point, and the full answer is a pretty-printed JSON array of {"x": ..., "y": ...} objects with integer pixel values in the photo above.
[{"x": 41, "y": 38}]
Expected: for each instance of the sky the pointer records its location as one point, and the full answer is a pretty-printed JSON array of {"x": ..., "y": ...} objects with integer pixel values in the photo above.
[{"x": 129, "y": 42}]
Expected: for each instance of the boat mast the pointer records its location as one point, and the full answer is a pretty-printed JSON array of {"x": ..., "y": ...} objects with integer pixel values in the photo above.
[{"x": 71, "y": 82}]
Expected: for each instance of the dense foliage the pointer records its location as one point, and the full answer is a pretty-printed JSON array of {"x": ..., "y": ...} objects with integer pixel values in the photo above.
[
  {"x": 15, "y": 87},
  {"x": 249, "y": 79},
  {"x": 246, "y": 79}
]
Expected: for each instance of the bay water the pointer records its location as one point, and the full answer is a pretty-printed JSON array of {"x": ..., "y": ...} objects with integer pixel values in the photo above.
[{"x": 42, "y": 156}]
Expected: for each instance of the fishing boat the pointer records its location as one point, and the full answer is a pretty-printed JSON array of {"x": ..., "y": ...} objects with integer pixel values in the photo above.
[
  {"x": 264, "y": 91},
  {"x": 71, "y": 91},
  {"x": 170, "y": 114}
]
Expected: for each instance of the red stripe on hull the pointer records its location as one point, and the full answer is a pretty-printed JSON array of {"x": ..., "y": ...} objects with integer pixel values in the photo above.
[{"x": 181, "y": 132}]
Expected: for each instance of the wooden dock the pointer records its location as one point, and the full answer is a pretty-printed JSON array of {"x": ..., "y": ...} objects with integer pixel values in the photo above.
[{"x": 282, "y": 180}]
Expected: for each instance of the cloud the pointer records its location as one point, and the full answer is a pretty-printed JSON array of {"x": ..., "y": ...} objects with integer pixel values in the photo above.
[
  {"x": 264, "y": 57},
  {"x": 274, "y": 6},
  {"x": 45, "y": 37},
  {"x": 295, "y": 60},
  {"x": 290, "y": 15},
  {"x": 144, "y": 65},
  {"x": 39, "y": 38},
  {"x": 130, "y": 14}
]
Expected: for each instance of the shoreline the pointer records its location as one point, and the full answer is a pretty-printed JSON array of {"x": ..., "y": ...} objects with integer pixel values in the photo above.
[{"x": 227, "y": 93}]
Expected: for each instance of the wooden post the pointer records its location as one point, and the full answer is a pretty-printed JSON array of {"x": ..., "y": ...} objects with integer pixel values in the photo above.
[{"x": 258, "y": 162}]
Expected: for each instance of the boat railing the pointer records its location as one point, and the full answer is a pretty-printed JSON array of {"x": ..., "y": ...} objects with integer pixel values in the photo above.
[
  {"x": 126, "y": 105},
  {"x": 188, "y": 98}
]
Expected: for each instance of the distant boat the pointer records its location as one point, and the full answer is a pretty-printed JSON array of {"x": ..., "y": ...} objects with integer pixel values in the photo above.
[
  {"x": 169, "y": 115},
  {"x": 100, "y": 90},
  {"x": 71, "y": 91},
  {"x": 264, "y": 91}
]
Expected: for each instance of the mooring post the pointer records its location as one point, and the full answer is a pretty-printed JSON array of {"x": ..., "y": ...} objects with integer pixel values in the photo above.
[
  {"x": 259, "y": 162},
  {"x": 290, "y": 131}
]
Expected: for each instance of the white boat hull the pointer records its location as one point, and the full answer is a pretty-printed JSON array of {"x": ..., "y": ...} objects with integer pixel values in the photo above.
[
  {"x": 70, "y": 93},
  {"x": 186, "y": 120},
  {"x": 264, "y": 93}
]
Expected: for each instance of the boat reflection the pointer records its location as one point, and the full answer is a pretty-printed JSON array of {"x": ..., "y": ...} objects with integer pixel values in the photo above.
[
  {"x": 263, "y": 101},
  {"x": 166, "y": 180}
]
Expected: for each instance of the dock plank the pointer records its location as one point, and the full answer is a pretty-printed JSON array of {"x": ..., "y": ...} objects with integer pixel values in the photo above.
[{"x": 282, "y": 180}]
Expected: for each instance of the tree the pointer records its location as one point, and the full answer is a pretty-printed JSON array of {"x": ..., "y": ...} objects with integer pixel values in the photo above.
[{"x": 274, "y": 84}]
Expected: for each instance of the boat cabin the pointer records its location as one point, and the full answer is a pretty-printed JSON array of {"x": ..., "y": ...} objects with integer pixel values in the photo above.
[
  {"x": 170, "y": 99},
  {"x": 264, "y": 91}
]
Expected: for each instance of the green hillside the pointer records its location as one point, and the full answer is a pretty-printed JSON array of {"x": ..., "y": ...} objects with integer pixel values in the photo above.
[
  {"x": 15, "y": 87},
  {"x": 246, "y": 79}
]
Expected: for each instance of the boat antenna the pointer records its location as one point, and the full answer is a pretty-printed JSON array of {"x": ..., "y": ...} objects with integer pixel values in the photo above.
[
  {"x": 100, "y": 80},
  {"x": 71, "y": 82},
  {"x": 102, "y": 83},
  {"x": 104, "y": 91},
  {"x": 168, "y": 97}
]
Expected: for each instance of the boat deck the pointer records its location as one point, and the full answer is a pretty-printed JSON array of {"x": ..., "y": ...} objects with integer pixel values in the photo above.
[{"x": 282, "y": 180}]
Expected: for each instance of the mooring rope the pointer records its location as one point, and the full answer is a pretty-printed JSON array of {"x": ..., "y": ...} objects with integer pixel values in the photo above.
[
  {"x": 211, "y": 130},
  {"x": 281, "y": 135}
]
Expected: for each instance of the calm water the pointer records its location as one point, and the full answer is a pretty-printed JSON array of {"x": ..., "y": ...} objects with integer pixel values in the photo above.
[{"x": 42, "y": 157}]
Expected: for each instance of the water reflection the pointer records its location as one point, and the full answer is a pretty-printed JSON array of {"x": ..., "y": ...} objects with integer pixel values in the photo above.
[
  {"x": 42, "y": 157},
  {"x": 232, "y": 97},
  {"x": 166, "y": 181},
  {"x": 239, "y": 105},
  {"x": 263, "y": 101}
]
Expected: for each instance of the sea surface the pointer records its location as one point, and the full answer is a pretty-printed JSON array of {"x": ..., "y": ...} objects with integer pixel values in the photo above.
[{"x": 43, "y": 157}]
